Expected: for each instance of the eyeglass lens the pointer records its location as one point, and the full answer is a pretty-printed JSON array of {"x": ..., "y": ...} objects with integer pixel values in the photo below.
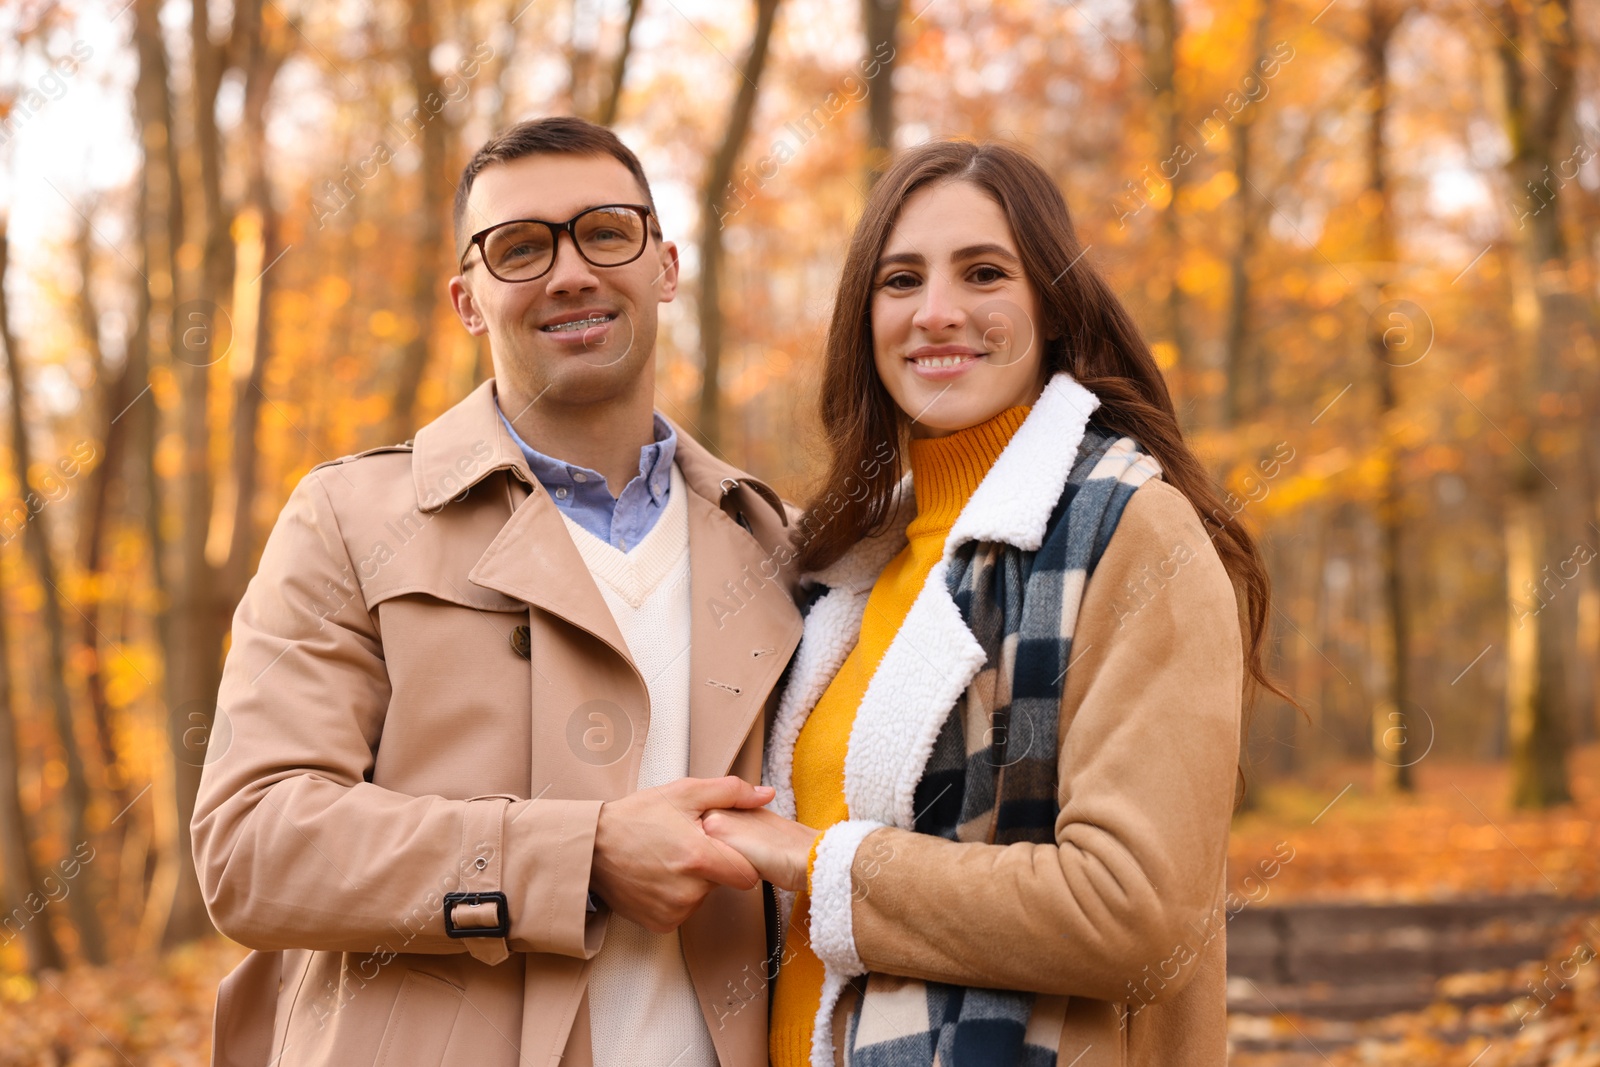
[{"x": 605, "y": 237}]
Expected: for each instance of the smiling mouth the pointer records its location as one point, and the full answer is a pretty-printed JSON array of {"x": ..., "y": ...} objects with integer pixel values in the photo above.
[
  {"x": 944, "y": 361},
  {"x": 576, "y": 325}
]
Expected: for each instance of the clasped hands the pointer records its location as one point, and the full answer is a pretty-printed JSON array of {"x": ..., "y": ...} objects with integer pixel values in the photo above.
[{"x": 659, "y": 852}]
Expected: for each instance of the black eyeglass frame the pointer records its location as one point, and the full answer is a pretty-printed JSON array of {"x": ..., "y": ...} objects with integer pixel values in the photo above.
[{"x": 645, "y": 212}]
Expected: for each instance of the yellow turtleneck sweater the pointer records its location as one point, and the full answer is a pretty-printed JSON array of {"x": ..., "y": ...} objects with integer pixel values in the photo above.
[{"x": 945, "y": 471}]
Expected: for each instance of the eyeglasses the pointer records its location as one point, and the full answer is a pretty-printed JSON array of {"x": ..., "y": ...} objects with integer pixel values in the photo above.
[{"x": 521, "y": 250}]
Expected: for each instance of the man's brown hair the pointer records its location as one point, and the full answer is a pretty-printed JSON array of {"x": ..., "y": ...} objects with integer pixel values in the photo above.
[{"x": 558, "y": 135}]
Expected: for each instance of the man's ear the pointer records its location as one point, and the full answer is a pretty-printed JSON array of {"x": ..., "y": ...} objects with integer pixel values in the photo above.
[
  {"x": 466, "y": 307},
  {"x": 669, "y": 271}
]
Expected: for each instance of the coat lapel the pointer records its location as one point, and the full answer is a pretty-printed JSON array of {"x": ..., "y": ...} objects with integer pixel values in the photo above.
[
  {"x": 926, "y": 668},
  {"x": 740, "y": 638},
  {"x": 743, "y": 630},
  {"x": 832, "y": 629},
  {"x": 533, "y": 559}
]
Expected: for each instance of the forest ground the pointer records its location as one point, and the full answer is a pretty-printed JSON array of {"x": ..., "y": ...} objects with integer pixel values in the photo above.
[{"x": 1456, "y": 837}]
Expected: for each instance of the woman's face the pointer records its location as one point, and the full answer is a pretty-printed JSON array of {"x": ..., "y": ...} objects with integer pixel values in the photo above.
[{"x": 955, "y": 333}]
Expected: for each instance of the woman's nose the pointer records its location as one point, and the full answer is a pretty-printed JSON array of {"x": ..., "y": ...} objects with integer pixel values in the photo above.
[{"x": 940, "y": 310}]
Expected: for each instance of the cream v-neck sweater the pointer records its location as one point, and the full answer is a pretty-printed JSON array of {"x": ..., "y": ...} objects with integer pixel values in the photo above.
[{"x": 643, "y": 1011}]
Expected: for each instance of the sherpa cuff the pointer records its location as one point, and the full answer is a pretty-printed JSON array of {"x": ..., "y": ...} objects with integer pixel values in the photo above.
[{"x": 832, "y": 936}]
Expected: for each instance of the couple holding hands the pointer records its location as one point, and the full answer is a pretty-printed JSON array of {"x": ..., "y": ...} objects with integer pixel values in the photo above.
[{"x": 498, "y": 699}]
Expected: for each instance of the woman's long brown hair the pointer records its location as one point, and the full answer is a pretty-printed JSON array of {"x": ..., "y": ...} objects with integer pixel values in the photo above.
[{"x": 1092, "y": 338}]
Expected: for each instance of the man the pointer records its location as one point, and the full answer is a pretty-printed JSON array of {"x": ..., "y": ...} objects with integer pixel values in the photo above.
[{"x": 484, "y": 684}]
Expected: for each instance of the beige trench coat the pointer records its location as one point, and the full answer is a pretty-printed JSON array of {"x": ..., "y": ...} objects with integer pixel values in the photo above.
[{"x": 426, "y": 693}]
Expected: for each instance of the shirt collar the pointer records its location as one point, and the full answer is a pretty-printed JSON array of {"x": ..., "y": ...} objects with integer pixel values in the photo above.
[{"x": 658, "y": 455}]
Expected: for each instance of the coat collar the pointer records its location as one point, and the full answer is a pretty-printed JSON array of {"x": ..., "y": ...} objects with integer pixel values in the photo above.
[
  {"x": 1012, "y": 503},
  {"x": 469, "y": 442},
  {"x": 462, "y": 447}
]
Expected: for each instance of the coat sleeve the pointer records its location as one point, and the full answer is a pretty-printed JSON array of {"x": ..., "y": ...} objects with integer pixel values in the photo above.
[
  {"x": 1148, "y": 750},
  {"x": 293, "y": 844}
]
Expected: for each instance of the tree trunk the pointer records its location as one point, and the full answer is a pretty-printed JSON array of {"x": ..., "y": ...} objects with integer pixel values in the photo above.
[
  {"x": 21, "y": 880},
  {"x": 258, "y": 223},
  {"x": 426, "y": 279},
  {"x": 718, "y": 179},
  {"x": 1393, "y": 751},
  {"x": 880, "y": 21},
  {"x": 83, "y": 902},
  {"x": 1235, "y": 401},
  {"x": 113, "y": 393},
  {"x": 159, "y": 234},
  {"x": 1159, "y": 23},
  {"x": 1534, "y": 728},
  {"x": 1548, "y": 309},
  {"x": 193, "y": 651},
  {"x": 1237, "y": 328},
  {"x": 619, "y": 68}
]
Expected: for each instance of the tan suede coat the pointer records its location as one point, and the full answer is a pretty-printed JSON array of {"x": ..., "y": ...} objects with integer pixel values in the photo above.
[
  {"x": 1119, "y": 925},
  {"x": 1126, "y": 916},
  {"x": 408, "y": 709}
]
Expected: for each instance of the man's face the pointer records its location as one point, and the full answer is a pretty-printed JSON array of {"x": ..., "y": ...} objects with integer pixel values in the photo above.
[{"x": 537, "y": 351}]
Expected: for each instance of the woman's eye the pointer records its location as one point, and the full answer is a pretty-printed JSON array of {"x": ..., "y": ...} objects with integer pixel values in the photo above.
[
  {"x": 902, "y": 280},
  {"x": 986, "y": 275}
]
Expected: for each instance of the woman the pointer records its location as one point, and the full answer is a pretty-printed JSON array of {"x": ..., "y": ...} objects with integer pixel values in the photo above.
[{"x": 1005, "y": 756}]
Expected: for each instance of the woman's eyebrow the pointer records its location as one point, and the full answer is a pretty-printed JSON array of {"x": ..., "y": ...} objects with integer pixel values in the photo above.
[
  {"x": 900, "y": 257},
  {"x": 969, "y": 252},
  {"x": 974, "y": 251}
]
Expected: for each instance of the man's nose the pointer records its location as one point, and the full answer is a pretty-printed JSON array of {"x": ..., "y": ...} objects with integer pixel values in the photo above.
[{"x": 570, "y": 273}]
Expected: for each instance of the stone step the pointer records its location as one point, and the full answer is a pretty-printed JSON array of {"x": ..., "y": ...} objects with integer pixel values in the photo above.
[
  {"x": 1407, "y": 946},
  {"x": 1353, "y": 1002}
]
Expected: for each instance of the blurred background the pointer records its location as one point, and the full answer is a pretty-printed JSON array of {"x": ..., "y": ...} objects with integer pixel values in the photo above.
[{"x": 1360, "y": 235}]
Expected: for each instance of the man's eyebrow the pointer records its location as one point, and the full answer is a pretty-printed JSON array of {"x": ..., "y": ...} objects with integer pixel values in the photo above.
[{"x": 969, "y": 252}]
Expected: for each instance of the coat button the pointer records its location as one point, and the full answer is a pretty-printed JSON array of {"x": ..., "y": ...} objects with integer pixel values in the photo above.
[{"x": 522, "y": 642}]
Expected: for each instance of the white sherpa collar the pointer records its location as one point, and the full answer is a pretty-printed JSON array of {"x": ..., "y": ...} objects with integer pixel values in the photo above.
[{"x": 1012, "y": 504}]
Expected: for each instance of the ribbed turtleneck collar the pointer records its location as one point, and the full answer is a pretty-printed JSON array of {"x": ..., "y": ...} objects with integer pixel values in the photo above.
[{"x": 945, "y": 471}]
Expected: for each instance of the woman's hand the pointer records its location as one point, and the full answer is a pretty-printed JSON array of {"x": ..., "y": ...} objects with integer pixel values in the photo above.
[{"x": 776, "y": 847}]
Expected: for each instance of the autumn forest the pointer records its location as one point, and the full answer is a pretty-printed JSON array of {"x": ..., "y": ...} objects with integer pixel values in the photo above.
[{"x": 1361, "y": 236}]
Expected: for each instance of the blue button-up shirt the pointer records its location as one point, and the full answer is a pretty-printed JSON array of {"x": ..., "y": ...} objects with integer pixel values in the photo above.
[{"x": 621, "y": 521}]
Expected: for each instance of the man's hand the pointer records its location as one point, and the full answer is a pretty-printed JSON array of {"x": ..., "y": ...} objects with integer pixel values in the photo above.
[
  {"x": 778, "y": 848},
  {"x": 653, "y": 864}
]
